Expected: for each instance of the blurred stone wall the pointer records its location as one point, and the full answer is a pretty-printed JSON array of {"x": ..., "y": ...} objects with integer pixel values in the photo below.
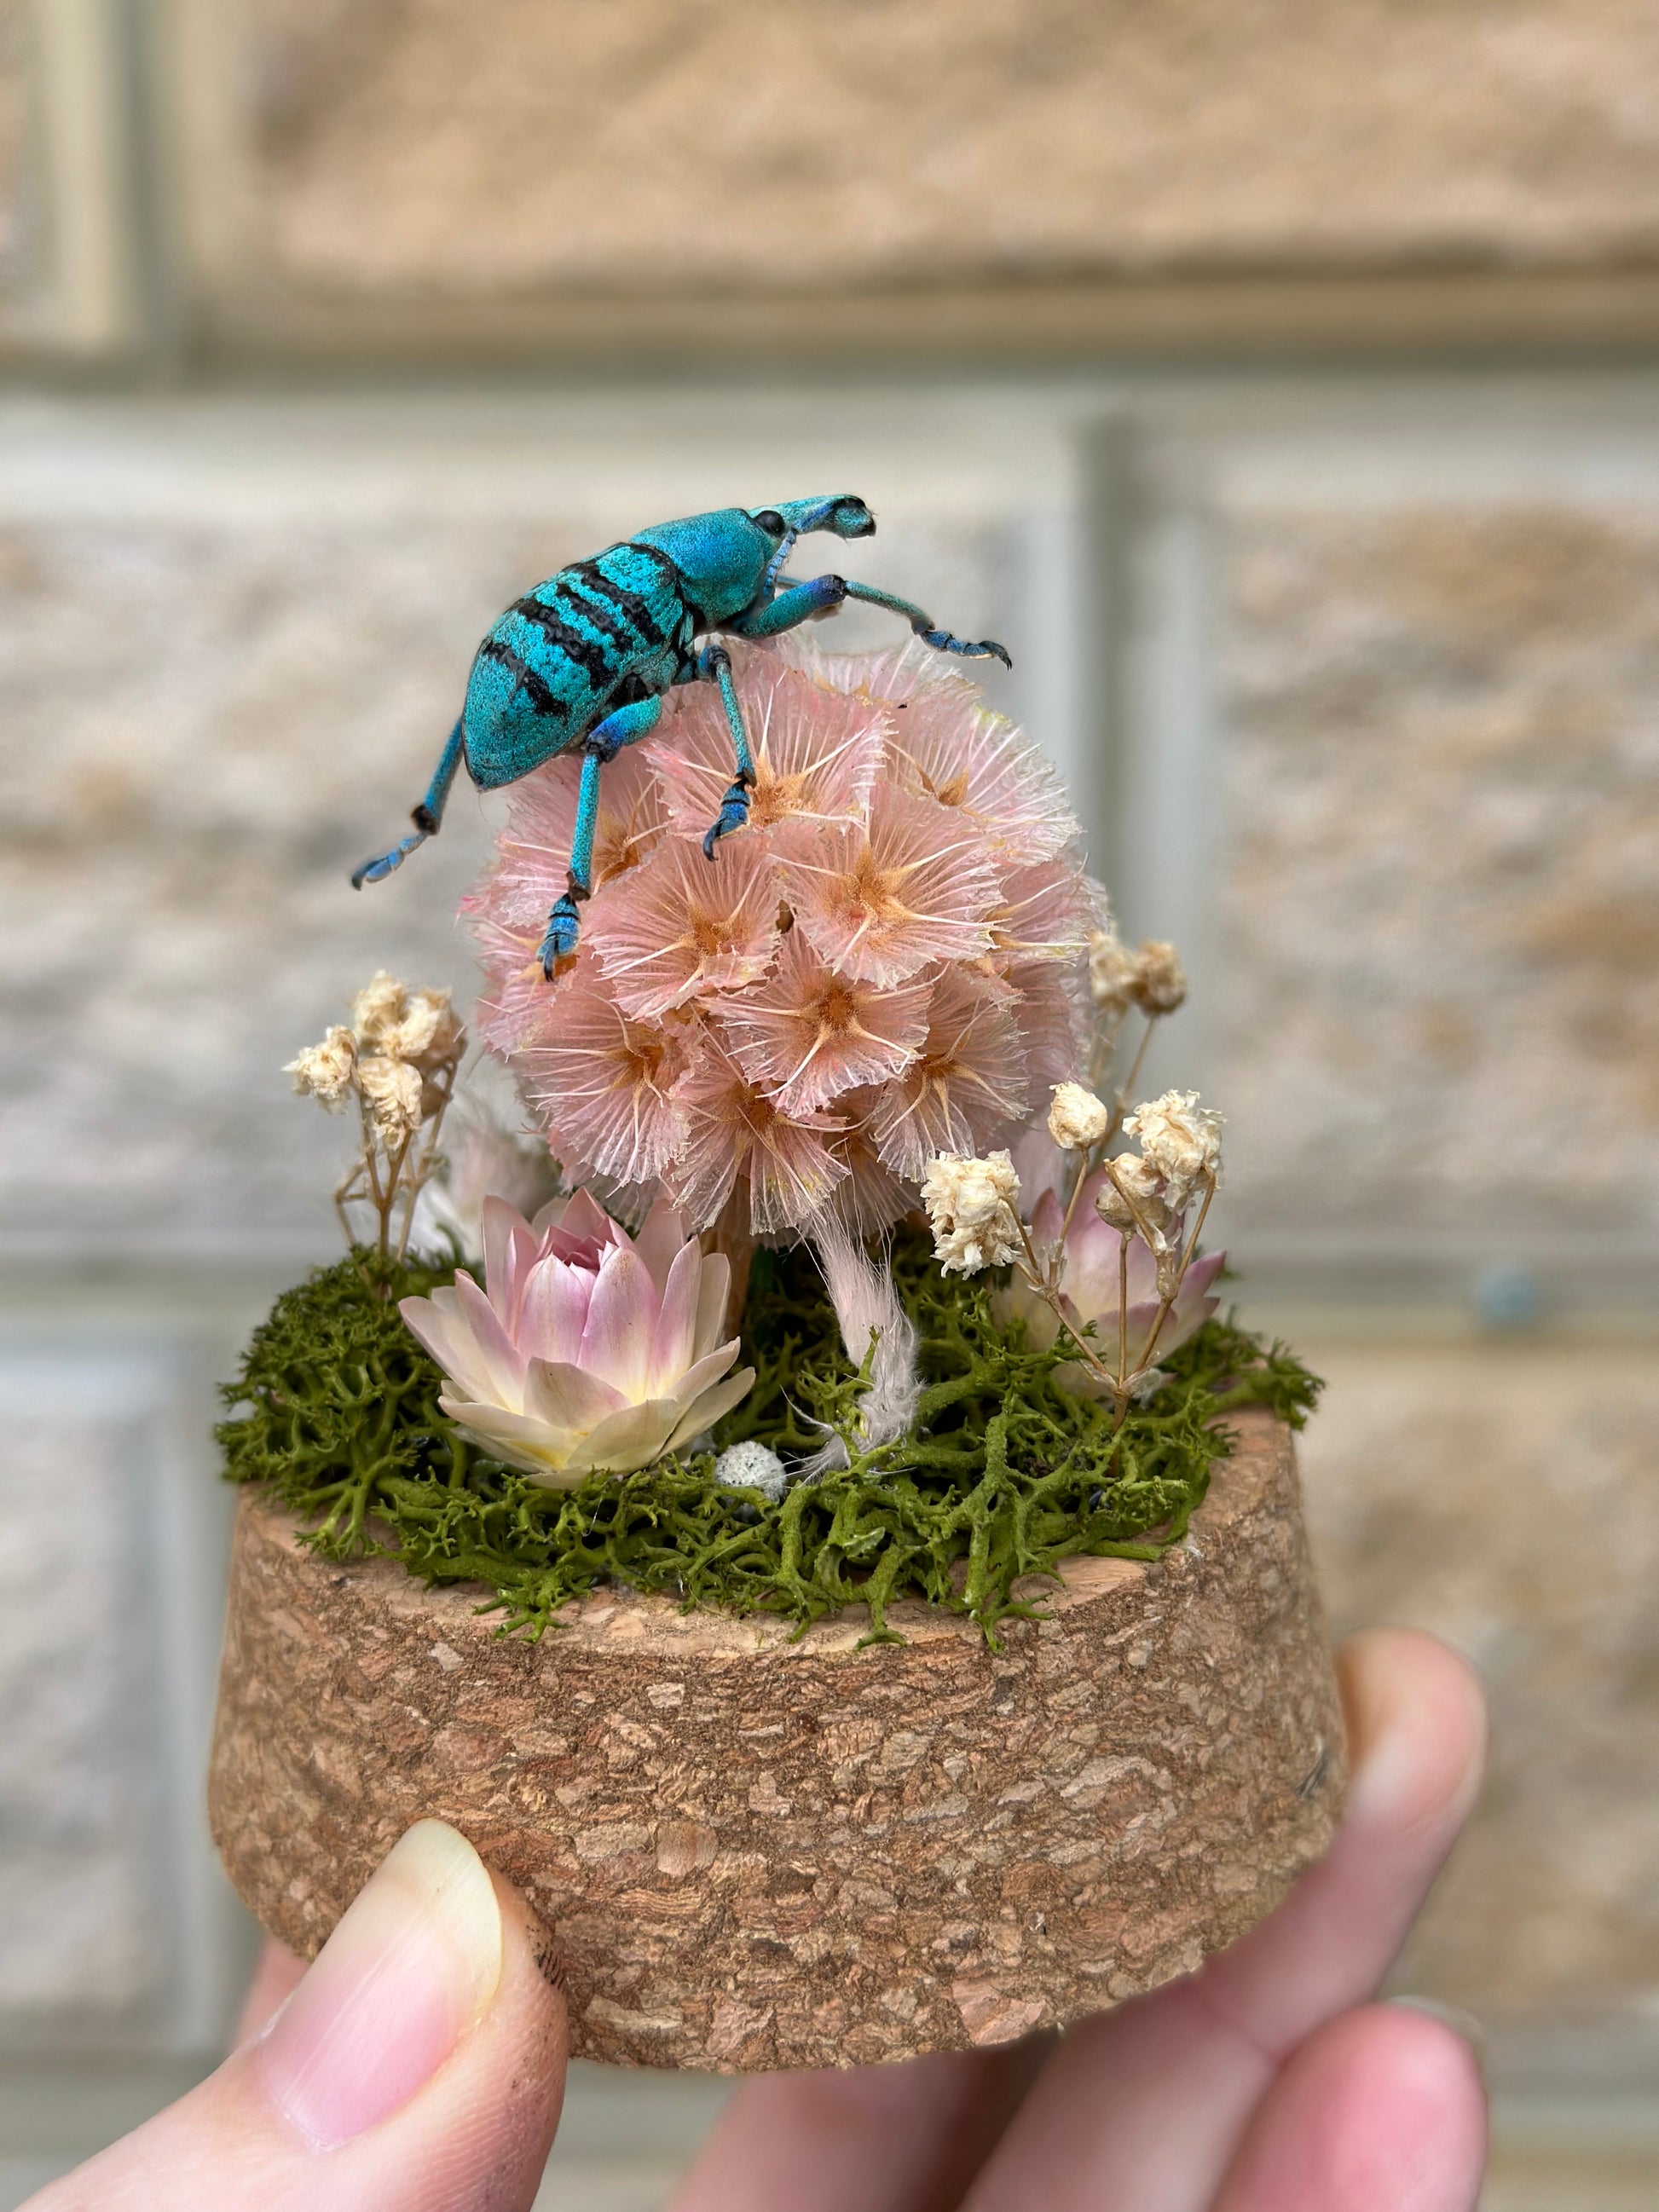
[{"x": 1279, "y": 381}]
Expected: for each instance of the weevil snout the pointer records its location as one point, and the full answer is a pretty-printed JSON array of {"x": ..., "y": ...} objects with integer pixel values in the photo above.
[{"x": 844, "y": 514}]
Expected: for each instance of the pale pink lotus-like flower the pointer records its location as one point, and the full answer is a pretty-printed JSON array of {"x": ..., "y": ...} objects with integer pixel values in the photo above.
[
  {"x": 588, "y": 1350},
  {"x": 1088, "y": 1288},
  {"x": 888, "y": 961}
]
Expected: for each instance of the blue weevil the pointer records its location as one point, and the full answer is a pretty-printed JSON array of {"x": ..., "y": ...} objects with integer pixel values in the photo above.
[{"x": 584, "y": 659}]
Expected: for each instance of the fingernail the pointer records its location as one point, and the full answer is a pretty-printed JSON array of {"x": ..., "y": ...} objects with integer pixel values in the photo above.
[
  {"x": 1462, "y": 2023},
  {"x": 412, "y": 1966}
]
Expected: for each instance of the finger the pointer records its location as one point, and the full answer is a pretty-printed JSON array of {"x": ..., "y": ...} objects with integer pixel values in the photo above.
[
  {"x": 275, "y": 1978},
  {"x": 1146, "y": 2105},
  {"x": 417, "y": 2067},
  {"x": 883, "y": 2138},
  {"x": 1381, "y": 2110}
]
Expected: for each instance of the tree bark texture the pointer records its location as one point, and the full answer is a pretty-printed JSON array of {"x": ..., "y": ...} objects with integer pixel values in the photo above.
[{"x": 754, "y": 1852}]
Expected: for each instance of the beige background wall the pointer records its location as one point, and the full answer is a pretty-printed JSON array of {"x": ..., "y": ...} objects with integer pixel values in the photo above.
[{"x": 1279, "y": 381}]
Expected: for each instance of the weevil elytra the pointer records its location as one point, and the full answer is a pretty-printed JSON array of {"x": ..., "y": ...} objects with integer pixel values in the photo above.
[{"x": 582, "y": 662}]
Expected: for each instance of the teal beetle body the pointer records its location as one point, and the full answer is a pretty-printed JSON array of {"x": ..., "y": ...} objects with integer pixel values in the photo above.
[{"x": 583, "y": 660}]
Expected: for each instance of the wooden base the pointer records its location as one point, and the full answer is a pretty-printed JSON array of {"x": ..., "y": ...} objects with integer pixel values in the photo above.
[{"x": 755, "y": 1853}]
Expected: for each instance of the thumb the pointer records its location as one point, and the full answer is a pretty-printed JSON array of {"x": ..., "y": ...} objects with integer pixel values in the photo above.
[{"x": 417, "y": 2067}]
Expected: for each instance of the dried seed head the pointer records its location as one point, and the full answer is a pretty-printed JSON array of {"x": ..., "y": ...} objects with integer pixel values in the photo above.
[
  {"x": 325, "y": 1071},
  {"x": 1113, "y": 971},
  {"x": 393, "y": 1090},
  {"x": 1134, "y": 1200},
  {"x": 1182, "y": 1141},
  {"x": 970, "y": 1204},
  {"x": 1160, "y": 981},
  {"x": 1076, "y": 1118}
]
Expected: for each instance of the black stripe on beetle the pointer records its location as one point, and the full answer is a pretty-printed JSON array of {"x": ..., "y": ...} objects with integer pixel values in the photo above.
[
  {"x": 583, "y": 652},
  {"x": 524, "y": 676},
  {"x": 633, "y": 608}
]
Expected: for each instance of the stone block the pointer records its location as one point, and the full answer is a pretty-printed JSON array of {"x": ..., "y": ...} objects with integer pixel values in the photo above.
[
  {"x": 1504, "y": 1498},
  {"x": 513, "y": 148},
  {"x": 83, "y": 1932},
  {"x": 67, "y": 208},
  {"x": 1438, "y": 1004}
]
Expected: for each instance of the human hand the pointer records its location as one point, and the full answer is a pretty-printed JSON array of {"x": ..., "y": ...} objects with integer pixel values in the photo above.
[{"x": 419, "y": 2065}]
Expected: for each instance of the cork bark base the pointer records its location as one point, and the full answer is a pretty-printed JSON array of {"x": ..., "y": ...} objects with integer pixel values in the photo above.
[{"x": 757, "y": 1853}]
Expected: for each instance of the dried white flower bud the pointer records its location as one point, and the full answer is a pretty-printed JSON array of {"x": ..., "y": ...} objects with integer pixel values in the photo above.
[
  {"x": 1113, "y": 969},
  {"x": 970, "y": 1204},
  {"x": 1182, "y": 1140},
  {"x": 393, "y": 1090},
  {"x": 1076, "y": 1118},
  {"x": 1160, "y": 981},
  {"x": 325, "y": 1071},
  {"x": 1133, "y": 1201},
  {"x": 378, "y": 1006},
  {"x": 429, "y": 1032}
]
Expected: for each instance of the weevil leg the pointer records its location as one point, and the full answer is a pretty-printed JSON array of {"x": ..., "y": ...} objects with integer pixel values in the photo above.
[
  {"x": 798, "y": 602},
  {"x": 715, "y": 663},
  {"x": 926, "y": 629},
  {"x": 428, "y": 817},
  {"x": 602, "y": 743}
]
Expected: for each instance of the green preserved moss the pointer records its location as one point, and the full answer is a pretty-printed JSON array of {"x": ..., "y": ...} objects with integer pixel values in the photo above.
[{"x": 1002, "y": 1476}]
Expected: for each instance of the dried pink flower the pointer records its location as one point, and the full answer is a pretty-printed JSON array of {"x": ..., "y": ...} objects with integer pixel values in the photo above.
[
  {"x": 881, "y": 899},
  {"x": 806, "y": 1034},
  {"x": 587, "y": 1349},
  {"x": 816, "y": 753},
  {"x": 534, "y": 844},
  {"x": 682, "y": 927},
  {"x": 967, "y": 1085},
  {"x": 737, "y": 1139},
  {"x": 886, "y": 963},
  {"x": 604, "y": 1082},
  {"x": 1092, "y": 1256}
]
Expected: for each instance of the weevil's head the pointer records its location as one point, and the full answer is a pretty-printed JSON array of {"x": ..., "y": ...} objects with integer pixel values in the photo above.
[{"x": 844, "y": 514}]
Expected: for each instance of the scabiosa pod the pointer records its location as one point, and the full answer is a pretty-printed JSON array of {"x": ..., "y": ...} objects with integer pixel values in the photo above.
[
  {"x": 587, "y": 1350},
  {"x": 889, "y": 962}
]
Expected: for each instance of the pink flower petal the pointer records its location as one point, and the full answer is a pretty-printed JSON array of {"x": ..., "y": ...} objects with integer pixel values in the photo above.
[
  {"x": 554, "y": 1311},
  {"x": 816, "y": 751},
  {"x": 438, "y": 1324},
  {"x": 714, "y": 1295},
  {"x": 709, "y": 1404},
  {"x": 622, "y": 1320},
  {"x": 681, "y": 925},
  {"x": 631, "y": 1438},
  {"x": 879, "y": 901},
  {"x": 568, "y": 1397},
  {"x": 661, "y": 1235},
  {"x": 968, "y": 1089},
  {"x": 500, "y": 1356},
  {"x": 509, "y": 1253},
  {"x": 673, "y": 1342},
  {"x": 541, "y": 1452}
]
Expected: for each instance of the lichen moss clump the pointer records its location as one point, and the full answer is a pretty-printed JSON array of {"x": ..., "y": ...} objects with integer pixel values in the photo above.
[{"x": 1002, "y": 1476}]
